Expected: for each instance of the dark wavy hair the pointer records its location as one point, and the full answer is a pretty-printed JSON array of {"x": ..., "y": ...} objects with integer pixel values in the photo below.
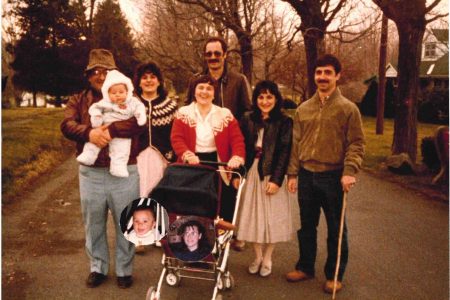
[
  {"x": 197, "y": 81},
  {"x": 216, "y": 39},
  {"x": 329, "y": 60},
  {"x": 153, "y": 68},
  {"x": 265, "y": 86},
  {"x": 203, "y": 243}
]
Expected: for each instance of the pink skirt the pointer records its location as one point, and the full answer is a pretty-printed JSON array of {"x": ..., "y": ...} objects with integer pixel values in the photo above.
[{"x": 151, "y": 165}]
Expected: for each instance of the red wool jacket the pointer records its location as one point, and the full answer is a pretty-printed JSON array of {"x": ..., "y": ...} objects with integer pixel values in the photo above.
[{"x": 227, "y": 134}]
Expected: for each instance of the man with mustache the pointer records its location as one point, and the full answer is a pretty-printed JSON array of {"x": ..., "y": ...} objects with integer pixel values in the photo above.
[
  {"x": 231, "y": 89},
  {"x": 327, "y": 152}
]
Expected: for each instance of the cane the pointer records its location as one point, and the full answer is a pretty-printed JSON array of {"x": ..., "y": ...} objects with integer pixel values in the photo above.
[{"x": 341, "y": 232}]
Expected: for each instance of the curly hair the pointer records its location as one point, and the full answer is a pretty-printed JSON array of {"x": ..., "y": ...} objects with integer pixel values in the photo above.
[{"x": 152, "y": 68}]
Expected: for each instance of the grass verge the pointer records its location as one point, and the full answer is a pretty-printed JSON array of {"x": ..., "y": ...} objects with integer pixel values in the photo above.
[
  {"x": 378, "y": 148},
  {"x": 32, "y": 145}
]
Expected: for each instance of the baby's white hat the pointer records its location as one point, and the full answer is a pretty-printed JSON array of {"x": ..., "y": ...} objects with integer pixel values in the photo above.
[{"x": 115, "y": 77}]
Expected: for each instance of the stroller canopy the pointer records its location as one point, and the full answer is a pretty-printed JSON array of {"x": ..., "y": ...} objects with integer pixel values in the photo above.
[{"x": 189, "y": 190}]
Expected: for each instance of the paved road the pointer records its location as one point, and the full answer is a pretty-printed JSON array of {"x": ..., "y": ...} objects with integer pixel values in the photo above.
[{"x": 399, "y": 249}]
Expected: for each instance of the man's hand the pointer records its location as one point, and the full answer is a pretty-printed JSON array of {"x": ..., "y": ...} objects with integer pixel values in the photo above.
[
  {"x": 292, "y": 183},
  {"x": 100, "y": 136},
  {"x": 272, "y": 188},
  {"x": 347, "y": 182}
]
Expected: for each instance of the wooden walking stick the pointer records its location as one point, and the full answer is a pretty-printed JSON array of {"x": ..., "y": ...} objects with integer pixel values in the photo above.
[{"x": 341, "y": 232}]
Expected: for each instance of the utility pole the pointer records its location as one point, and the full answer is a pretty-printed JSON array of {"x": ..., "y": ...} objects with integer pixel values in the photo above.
[{"x": 382, "y": 76}]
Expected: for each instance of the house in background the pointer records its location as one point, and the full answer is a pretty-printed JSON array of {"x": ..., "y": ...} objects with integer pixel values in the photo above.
[{"x": 434, "y": 84}]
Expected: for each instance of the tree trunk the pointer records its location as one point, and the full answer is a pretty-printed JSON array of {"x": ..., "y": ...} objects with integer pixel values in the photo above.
[
  {"x": 314, "y": 47},
  {"x": 58, "y": 101},
  {"x": 382, "y": 76},
  {"x": 405, "y": 124},
  {"x": 34, "y": 99},
  {"x": 245, "y": 43}
]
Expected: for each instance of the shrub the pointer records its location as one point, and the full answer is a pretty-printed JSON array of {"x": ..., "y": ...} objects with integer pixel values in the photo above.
[{"x": 429, "y": 154}]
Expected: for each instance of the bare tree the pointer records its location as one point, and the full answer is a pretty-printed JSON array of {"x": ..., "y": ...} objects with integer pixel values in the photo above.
[
  {"x": 173, "y": 35},
  {"x": 410, "y": 18},
  {"x": 270, "y": 45},
  {"x": 239, "y": 16},
  {"x": 316, "y": 18}
]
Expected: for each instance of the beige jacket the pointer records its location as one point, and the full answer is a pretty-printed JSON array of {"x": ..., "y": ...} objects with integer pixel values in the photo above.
[{"x": 327, "y": 138}]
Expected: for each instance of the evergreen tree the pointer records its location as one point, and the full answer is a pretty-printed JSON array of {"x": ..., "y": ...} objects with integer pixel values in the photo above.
[
  {"x": 111, "y": 31},
  {"x": 47, "y": 56}
]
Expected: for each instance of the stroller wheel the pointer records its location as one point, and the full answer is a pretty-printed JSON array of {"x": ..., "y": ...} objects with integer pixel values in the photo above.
[
  {"x": 151, "y": 294},
  {"x": 229, "y": 281},
  {"x": 172, "y": 279}
]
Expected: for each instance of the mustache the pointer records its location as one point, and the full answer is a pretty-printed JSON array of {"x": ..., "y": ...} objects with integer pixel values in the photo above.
[
  {"x": 322, "y": 81},
  {"x": 213, "y": 60}
]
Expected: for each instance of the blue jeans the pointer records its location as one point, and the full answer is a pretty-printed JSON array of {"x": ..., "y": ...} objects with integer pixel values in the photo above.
[
  {"x": 316, "y": 191},
  {"x": 99, "y": 192}
]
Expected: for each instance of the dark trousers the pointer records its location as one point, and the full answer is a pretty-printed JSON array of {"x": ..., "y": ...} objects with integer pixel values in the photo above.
[{"x": 315, "y": 191}]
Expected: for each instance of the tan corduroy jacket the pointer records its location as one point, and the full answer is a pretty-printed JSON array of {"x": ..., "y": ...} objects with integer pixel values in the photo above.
[{"x": 327, "y": 137}]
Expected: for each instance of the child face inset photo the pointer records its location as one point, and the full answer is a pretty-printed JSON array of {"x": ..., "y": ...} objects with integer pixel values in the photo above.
[
  {"x": 191, "y": 238},
  {"x": 143, "y": 221}
]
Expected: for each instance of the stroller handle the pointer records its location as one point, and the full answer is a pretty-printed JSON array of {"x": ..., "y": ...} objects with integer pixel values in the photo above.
[{"x": 241, "y": 170}]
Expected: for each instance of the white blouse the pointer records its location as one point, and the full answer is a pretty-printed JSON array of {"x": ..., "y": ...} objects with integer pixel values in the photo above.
[{"x": 205, "y": 137}]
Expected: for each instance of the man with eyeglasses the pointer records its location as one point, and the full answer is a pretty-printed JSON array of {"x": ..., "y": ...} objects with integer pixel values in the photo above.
[
  {"x": 231, "y": 89},
  {"x": 99, "y": 190}
]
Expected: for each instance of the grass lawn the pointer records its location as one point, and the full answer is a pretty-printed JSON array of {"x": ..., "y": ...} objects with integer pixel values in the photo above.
[
  {"x": 378, "y": 147},
  {"x": 32, "y": 144}
]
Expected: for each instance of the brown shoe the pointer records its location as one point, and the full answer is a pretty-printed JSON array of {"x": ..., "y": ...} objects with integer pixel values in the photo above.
[
  {"x": 238, "y": 245},
  {"x": 329, "y": 284},
  {"x": 297, "y": 275}
]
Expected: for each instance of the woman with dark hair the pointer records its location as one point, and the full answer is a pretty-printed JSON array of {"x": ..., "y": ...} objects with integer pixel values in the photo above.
[
  {"x": 194, "y": 245},
  {"x": 154, "y": 143},
  {"x": 265, "y": 214},
  {"x": 203, "y": 131}
]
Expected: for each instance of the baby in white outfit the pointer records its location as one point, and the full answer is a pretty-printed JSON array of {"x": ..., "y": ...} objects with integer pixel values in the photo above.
[{"x": 117, "y": 104}]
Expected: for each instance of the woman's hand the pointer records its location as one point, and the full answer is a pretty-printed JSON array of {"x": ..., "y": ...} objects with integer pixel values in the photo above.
[
  {"x": 191, "y": 158},
  {"x": 235, "y": 182},
  {"x": 272, "y": 188},
  {"x": 234, "y": 163}
]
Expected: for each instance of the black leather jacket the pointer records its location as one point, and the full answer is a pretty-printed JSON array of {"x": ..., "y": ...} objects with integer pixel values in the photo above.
[{"x": 276, "y": 146}]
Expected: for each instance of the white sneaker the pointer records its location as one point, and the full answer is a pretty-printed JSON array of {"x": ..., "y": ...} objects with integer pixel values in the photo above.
[
  {"x": 86, "y": 159},
  {"x": 119, "y": 172}
]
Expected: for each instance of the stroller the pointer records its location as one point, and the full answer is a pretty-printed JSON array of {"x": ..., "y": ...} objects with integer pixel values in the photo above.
[{"x": 193, "y": 191}]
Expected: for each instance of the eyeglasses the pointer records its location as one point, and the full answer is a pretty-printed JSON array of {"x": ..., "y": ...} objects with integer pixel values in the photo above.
[
  {"x": 216, "y": 54},
  {"x": 98, "y": 72}
]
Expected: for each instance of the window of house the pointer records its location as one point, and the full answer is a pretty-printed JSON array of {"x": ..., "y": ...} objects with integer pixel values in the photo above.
[{"x": 430, "y": 50}]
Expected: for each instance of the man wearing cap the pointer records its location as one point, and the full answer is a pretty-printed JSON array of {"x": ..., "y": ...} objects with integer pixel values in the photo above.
[{"x": 99, "y": 190}]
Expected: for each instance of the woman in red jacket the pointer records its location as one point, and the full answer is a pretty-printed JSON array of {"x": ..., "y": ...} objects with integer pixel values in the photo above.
[{"x": 203, "y": 131}]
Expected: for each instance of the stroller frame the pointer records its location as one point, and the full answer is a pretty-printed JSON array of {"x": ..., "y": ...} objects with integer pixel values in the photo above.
[{"x": 216, "y": 270}]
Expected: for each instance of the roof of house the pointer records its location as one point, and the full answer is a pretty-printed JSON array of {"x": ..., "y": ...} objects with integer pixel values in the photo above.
[
  {"x": 441, "y": 34},
  {"x": 438, "y": 68}
]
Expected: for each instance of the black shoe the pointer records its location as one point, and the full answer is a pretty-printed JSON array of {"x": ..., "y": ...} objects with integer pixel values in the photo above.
[
  {"x": 124, "y": 282},
  {"x": 95, "y": 279}
]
